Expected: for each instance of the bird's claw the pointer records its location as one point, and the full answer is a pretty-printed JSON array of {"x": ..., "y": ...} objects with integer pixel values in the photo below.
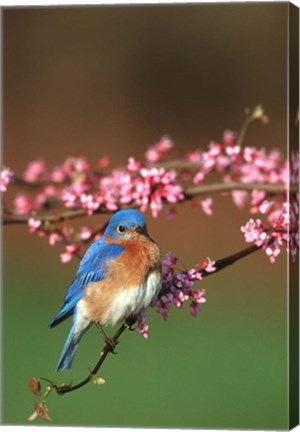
[
  {"x": 112, "y": 343},
  {"x": 130, "y": 323}
]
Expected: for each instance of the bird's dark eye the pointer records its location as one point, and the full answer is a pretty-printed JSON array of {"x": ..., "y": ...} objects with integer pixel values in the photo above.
[{"x": 121, "y": 228}]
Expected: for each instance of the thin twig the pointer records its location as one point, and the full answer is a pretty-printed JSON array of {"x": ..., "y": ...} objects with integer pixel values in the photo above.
[{"x": 106, "y": 350}]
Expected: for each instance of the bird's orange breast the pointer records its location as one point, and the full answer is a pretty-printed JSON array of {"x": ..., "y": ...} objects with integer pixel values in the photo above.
[{"x": 125, "y": 284}]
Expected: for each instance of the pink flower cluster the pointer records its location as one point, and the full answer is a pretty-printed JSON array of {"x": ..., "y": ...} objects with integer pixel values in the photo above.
[
  {"x": 142, "y": 326},
  {"x": 151, "y": 187},
  {"x": 178, "y": 287},
  {"x": 70, "y": 251},
  {"x": 135, "y": 185},
  {"x": 281, "y": 230},
  {"x": 6, "y": 177},
  {"x": 236, "y": 164},
  {"x": 156, "y": 152},
  {"x": 75, "y": 185},
  {"x": 63, "y": 235}
]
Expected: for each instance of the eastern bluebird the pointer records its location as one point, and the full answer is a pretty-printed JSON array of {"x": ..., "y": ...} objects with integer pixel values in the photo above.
[{"x": 117, "y": 279}]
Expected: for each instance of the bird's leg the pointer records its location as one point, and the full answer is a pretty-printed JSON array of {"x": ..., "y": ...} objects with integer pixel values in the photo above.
[
  {"x": 130, "y": 321},
  {"x": 109, "y": 341}
]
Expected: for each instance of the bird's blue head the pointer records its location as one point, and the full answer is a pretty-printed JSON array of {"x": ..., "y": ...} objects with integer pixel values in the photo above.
[{"x": 126, "y": 224}]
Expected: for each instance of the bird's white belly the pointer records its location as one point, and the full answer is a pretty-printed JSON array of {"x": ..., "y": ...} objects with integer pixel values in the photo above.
[{"x": 132, "y": 300}]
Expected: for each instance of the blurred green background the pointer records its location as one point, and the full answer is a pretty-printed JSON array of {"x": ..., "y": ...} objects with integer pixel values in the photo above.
[{"x": 110, "y": 81}]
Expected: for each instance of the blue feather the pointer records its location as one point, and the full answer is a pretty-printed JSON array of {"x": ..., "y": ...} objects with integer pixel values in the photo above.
[
  {"x": 92, "y": 269},
  {"x": 71, "y": 346}
]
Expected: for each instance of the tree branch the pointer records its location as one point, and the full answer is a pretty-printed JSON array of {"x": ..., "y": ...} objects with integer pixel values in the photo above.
[
  {"x": 10, "y": 217},
  {"x": 276, "y": 188},
  {"x": 219, "y": 264},
  {"x": 230, "y": 260}
]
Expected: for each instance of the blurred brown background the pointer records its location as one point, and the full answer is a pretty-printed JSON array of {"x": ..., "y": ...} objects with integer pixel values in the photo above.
[{"x": 111, "y": 81}]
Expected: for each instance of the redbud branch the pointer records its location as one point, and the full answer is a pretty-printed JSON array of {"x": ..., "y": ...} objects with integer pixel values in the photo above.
[
  {"x": 10, "y": 217},
  {"x": 59, "y": 216},
  {"x": 219, "y": 264},
  {"x": 231, "y": 259},
  {"x": 274, "y": 189}
]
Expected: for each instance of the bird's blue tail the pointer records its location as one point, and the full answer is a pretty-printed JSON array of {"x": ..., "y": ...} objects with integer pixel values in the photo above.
[{"x": 71, "y": 345}]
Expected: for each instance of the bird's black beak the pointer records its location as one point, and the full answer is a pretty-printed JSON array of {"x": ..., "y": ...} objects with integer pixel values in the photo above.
[{"x": 141, "y": 229}]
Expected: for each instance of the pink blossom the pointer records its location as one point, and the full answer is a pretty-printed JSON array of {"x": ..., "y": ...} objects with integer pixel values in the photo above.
[
  {"x": 103, "y": 162},
  {"x": 257, "y": 197},
  {"x": 229, "y": 138},
  {"x": 34, "y": 171},
  {"x": 70, "y": 251},
  {"x": 133, "y": 165},
  {"x": 194, "y": 308},
  {"x": 193, "y": 274},
  {"x": 214, "y": 149},
  {"x": 77, "y": 164},
  {"x": 206, "y": 205},
  {"x": 170, "y": 259},
  {"x": 70, "y": 198},
  {"x": 199, "y": 178},
  {"x": 53, "y": 238},
  {"x": 240, "y": 198},
  {"x": 157, "y": 151},
  {"x": 154, "y": 186},
  {"x": 90, "y": 203},
  {"x": 76, "y": 195},
  {"x": 283, "y": 231},
  {"x": 6, "y": 177},
  {"x": 22, "y": 204},
  {"x": 254, "y": 232},
  {"x": 222, "y": 163},
  {"x": 142, "y": 327},
  {"x": 208, "y": 265},
  {"x": 165, "y": 144},
  {"x": 85, "y": 232},
  {"x": 35, "y": 227},
  {"x": 163, "y": 306},
  {"x": 232, "y": 151},
  {"x": 265, "y": 206},
  {"x": 72, "y": 168},
  {"x": 198, "y": 296},
  {"x": 152, "y": 155},
  {"x": 179, "y": 297},
  {"x": 272, "y": 250},
  {"x": 179, "y": 287},
  {"x": 194, "y": 156},
  {"x": 58, "y": 175}
]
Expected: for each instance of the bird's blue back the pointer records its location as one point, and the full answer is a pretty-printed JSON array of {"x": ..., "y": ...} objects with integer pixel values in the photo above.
[{"x": 92, "y": 268}]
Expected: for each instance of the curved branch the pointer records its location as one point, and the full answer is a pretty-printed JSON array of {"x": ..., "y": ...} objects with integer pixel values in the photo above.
[{"x": 219, "y": 264}]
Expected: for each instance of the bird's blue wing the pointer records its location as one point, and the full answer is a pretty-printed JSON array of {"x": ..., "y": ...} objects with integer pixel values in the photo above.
[{"x": 92, "y": 269}]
